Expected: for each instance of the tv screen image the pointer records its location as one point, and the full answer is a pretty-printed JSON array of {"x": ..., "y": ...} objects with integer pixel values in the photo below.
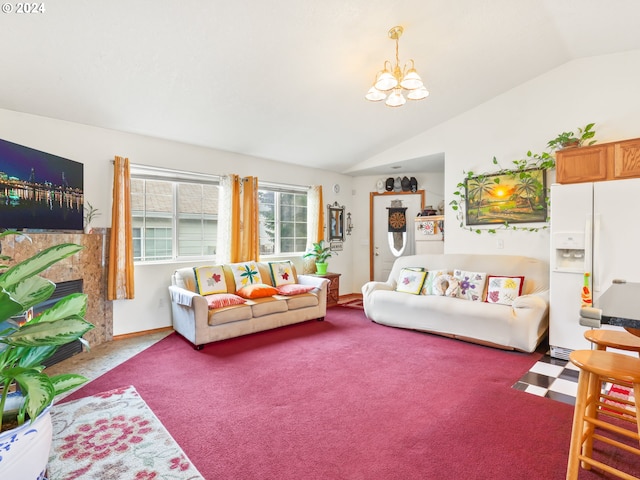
[{"x": 38, "y": 190}]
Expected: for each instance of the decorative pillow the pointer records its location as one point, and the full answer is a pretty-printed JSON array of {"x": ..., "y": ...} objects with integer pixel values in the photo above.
[
  {"x": 257, "y": 290},
  {"x": 294, "y": 289},
  {"x": 427, "y": 288},
  {"x": 220, "y": 300},
  {"x": 282, "y": 273},
  {"x": 471, "y": 285},
  {"x": 210, "y": 280},
  {"x": 446, "y": 285},
  {"x": 411, "y": 280},
  {"x": 503, "y": 290},
  {"x": 245, "y": 273}
]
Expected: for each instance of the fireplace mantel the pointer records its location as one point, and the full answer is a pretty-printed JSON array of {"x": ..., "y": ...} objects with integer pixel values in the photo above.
[{"x": 90, "y": 265}]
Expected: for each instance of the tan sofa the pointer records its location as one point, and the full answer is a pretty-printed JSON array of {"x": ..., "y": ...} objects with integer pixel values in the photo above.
[
  {"x": 194, "y": 320},
  {"x": 520, "y": 326}
]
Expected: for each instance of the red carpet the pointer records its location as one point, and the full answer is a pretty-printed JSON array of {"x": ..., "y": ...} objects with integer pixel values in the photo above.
[{"x": 349, "y": 399}]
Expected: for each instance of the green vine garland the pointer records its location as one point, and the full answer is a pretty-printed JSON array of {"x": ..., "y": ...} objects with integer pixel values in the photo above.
[{"x": 521, "y": 169}]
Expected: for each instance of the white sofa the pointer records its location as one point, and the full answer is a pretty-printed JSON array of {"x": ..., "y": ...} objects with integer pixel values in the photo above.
[
  {"x": 520, "y": 326},
  {"x": 194, "y": 320}
]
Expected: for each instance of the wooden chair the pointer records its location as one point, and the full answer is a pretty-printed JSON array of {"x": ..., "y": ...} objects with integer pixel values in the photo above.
[{"x": 591, "y": 412}]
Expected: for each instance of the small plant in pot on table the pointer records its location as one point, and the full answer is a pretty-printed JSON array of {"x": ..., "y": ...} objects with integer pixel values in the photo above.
[
  {"x": 321, "y": 254},
  {"x": 26, "y": 392}
]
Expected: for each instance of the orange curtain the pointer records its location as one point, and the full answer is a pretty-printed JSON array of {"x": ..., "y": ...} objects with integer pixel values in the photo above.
[
  {"x": 234, "y": 237},
  {"x": 250, "y": 235},
  {"x": 315, "y": 224},
  {"x": 320, "y": 231},
  {"x": 120, "y": 281},
  {"x": 244, "y": 238}
]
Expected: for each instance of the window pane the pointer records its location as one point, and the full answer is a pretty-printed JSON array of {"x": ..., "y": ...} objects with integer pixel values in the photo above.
[
  {"x": 159, "y": 196},
  {"x": 197, "y": 219},
  {"x": 283, "y": 222},
  {"x": 173, "y": 219},
  {"x": 301, "y": 215}
]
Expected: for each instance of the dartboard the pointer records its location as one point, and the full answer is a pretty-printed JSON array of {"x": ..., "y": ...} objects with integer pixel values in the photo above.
[{"x": 397, "y": 220}]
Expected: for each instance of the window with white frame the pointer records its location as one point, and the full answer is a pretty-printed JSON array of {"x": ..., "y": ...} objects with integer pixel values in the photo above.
[
  {"x": 283, "y": 219},
  {"x": 174, "y": 214}
]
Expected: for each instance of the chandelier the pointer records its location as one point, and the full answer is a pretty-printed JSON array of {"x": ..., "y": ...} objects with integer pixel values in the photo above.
[{"x": 391, "y": 83}]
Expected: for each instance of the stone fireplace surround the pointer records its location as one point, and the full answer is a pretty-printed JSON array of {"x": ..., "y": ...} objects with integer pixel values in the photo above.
[{"x": 90, "y": 265}]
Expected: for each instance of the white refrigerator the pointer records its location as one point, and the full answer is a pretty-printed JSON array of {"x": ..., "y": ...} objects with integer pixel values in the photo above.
[{"x": 595, "y": 229}]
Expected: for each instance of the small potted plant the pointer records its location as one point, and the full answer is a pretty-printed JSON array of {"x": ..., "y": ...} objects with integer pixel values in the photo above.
[
  {"x": 321, "y": 254},
  {"x": 90, "y": 212},
  {"x": 26, "y": 392},
  {"x": 569, "y": 139}
]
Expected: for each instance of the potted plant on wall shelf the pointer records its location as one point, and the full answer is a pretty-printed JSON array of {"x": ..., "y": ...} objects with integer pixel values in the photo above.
[
  {"x": 26, "y": 392},
  {"x": 569, "y": 139},
  {"x": 321, "y": 254}
]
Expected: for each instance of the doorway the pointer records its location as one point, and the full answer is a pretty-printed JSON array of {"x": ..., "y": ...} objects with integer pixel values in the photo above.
[{"x": 381, "y": 250}]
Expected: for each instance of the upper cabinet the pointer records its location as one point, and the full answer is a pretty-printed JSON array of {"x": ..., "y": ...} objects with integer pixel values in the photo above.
[
  {"x": 626, "y": 163},
  {"x": 607, "y": 161}
]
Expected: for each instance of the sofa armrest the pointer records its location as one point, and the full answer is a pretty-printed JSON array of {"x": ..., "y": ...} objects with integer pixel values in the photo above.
[
  {"x": 181, "y": 296},
  {"x": 190, "y": 313},
  {"x": 369, "y": 287},
  {"x": 539, "y": 301},
  {"x": 313, "y": 280}
]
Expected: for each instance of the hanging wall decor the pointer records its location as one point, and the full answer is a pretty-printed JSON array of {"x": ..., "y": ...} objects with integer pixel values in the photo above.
[{"x": 505, "y": 197}]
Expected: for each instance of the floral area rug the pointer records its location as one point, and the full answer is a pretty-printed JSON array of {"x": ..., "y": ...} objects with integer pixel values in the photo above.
[{"x": 114, "y": 435}]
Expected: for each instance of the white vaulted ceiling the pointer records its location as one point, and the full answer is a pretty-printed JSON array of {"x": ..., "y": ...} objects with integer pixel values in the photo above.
[{"x": 285, "y": 79}]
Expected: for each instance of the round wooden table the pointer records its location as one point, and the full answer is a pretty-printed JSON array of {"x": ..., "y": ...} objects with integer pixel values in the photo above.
[{"x": 635, "y": 331}]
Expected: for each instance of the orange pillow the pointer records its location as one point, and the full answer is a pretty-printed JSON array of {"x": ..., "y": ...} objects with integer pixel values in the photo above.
[{"x": 257, "y": 290}]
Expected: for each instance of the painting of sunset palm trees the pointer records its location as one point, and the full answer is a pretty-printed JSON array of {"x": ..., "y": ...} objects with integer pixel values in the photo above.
[{"x": 513, "y": 197}]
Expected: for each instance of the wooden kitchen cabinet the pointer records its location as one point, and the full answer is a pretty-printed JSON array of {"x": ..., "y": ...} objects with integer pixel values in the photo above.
[
  {"x": 626, "y": 163},
  {"x": 607, "y": 161}
]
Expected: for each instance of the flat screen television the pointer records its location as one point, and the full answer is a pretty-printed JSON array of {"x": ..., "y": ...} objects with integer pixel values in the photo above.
[{"x": 38, "y": 190}]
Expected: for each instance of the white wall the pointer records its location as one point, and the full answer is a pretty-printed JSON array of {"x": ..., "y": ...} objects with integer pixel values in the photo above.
[
  {"x": 598, "y": 89},
  {"x": 96, "y": 147}
]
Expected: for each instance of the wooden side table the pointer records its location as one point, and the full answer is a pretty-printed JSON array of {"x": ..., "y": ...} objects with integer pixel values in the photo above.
[{"x": 333, "y": 289}]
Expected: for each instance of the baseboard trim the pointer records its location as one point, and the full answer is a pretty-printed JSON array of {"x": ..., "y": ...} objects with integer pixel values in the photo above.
[{"x": 144, "y": 332}]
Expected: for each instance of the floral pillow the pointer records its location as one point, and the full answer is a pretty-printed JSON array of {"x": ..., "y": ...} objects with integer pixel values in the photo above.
[
  {"x": 503, "y": 290},
  {"x": 245, "y": 273},
  {"x": 282, "y": 273},
  {"x": 220, "y": 300},
  {"x": 428, "y": 287},
  {"x": 411, "y": 280},
  {"x": 471, "y": 284},
  {"x": 210, "y": 280}
]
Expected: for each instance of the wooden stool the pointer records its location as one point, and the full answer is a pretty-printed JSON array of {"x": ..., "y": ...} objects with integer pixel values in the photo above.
[
  {"x": 620, "y": 339},
  {"x": 591, "y": 412}
]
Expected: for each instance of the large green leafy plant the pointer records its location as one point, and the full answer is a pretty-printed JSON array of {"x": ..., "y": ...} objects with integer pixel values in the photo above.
[
  {"x": 319, "y": 252},
  {"x": 24, "y": 347}
]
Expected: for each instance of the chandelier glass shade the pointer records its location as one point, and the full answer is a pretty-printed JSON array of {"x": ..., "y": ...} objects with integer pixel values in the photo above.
[{"x": 393, "y": 83}]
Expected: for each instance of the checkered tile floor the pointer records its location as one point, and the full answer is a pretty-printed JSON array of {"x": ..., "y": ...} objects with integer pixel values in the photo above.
[{"x": 551, "y": 378}]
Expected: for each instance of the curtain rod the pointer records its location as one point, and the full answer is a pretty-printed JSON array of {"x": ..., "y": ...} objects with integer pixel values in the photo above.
[{"x": 182, "y": 172}]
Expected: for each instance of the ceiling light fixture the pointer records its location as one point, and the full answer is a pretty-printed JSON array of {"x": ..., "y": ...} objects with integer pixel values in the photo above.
[{"x": 394, "y": 82}]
